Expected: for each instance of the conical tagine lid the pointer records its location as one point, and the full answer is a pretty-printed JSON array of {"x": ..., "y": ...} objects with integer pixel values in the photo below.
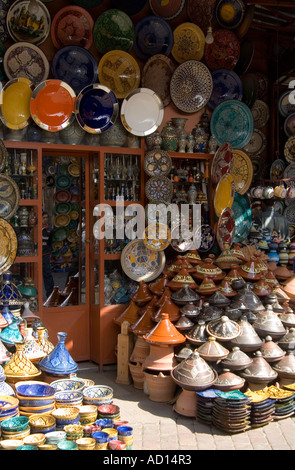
[
  {"x": 31, "y": 348},
  {"x": 248, "y": 339},
  {"x": 180, "y": 279},
  {"x": 208, "y": 269},
  {"x": 190, "y": 310},
  {"x": 207, "y": 286},
  {"x": 259, "y": 371},
  {"x": 198, "y": 334},
  {"x": 286, "y": 366},
  {"x": 218, "y": 299},
  {"x": 184, "y": 323},
  {"x": 185, "y": 295},
  {"x": 212, "y": 350},
  {"x": 167, "y": 306},
  {"x": 19, "y": 365},
  {"x": 287, "y": 342},
  {"x": 158, "y": 287},
  {"x": 164, "y": 333},
  {"x": 227, "y": 381},
  {"x": 226, "y": 288},
  {"x": 194, "y": 373},
  {"x": 193, "y": 257},
  {"x": 144, "y": 324},
  {"x": 223, "y": 328},
  {"x": 142, "y": 295},
  {"x": 249, "y": 298},
  {"x": 186, "y": 351},
  {"x": 210, "y": 312},
  {"x": 59, "y": 361},
  {"x": 237, "y": 359},
  {"x": 269, "y": 323},
  {"x": 130, "y": 314},
  {"x": 271, "y": 351}
]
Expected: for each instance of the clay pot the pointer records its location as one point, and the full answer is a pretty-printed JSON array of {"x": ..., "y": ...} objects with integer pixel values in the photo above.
[
  {"x": 190, "y": 310},
  {"x": 250, "y": 270},
  {"x": 160, "y": 358},
  {"x": 158, "y": 287},
  {"x": 130, "y": 314},
  {"x": 288, "y": 319},
  {"x": 287, "y": 342},
  {"x": 53, "y": 299},
  {"x": 184, "y": 323},
  {"x": 193, "y": 257},
  {"x": 282, "y": 273},
  {"x": 167, "y": 306},
  {"x": 223, "y": 329},
  {"x": 137, "y": 374},
  {"x": 249, "y": 299},
  {"x": 259, "y": 372},
  {"x": 161, "y": 387},
  {"x": 186, "y": 403},
  {"x": 140, "y": 351},
  {"x": 194, "y": 373},
  {"x": 268, "y": 323},
  {"x": 144, "y": 324},
  {"x": 198, "y": 335},
  {"x": 226, "y": 259},
  {"x": 286, "y": 366},
  {"x": 218, "y": 299},
  {"x": 289, "y": 287},
  {"x": 185, "y": 295},
  {"x": 184, "y": 352},
  {"x": 164, "y": 333},
  {"x": 226, "y": 289},
  {"x": 236, "y": 360},
  {"x": 208, "y": 269},
  {"x": 182, "y": 278},
  {"x": 166, "y": 295},
  {"x": 209, "y": 312},
  {"x": 212, "y": 350},
  {"x": 248, "y": 340},
  {"x": 233, "y": 273},
  {"x": 142, "y": 295},
  {"x": 227, "y": 381},
  {"x": 262, "y": 288},
  {"x": 207, "y": 287},
  {"x": 270, "y": 350}
]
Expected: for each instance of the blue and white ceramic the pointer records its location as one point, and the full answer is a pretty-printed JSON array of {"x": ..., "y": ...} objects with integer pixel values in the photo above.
[
  {"x": 59, "y": 361},
  {"x": 227, "y": 85},
  {"x": 104, "y": 423},
  {"x": 100, "y": 437},
  {"x": 153, "y": 35},
  {"x": 74, "y": 384},
  {"x": 9, "y": 292},
  {"x": 31, "y": 388}
]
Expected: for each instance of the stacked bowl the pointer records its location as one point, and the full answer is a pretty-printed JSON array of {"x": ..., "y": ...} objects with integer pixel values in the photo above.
[
  {"x": 66, "y": 415},
  {"x": 73, "y": 431},
  {"x": 42, "y": 423},
  {"x": 108, "y": 412},
  {"x": 98, "y": 395},
  {"x": 9, "y": 407},
  {"x": 88, "y": 414},
  {"x": 68, "y": 398},
  {"x": 16, "y": 427},
  {"x": 54, "y": 437},
  {"x": 34, "y": 397},
  {"x": 63, "y": 385}
]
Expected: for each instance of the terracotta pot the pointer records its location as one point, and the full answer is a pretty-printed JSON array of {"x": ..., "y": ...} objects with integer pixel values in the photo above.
[
  {"x": 228, "y": 381},
  {"x": 158, "y": 287},
  {"x": 142, "y": 295},
  {"x": 226, "y": 289},
  {"x": 283, "y": 273},
  {"x": 186, "y": 403},
  {"x": 167, "y": 307},
  {"x": 161, "y": 387},
  {"x": 164, "y": 333},
  {"x": 160, "y": 358},
  {"x": 137, "y": 374},
  {"x": 193, "y": 257},
  {"x": 166, "y": 294},
  {"x": 182, "y": 278},
  {"x": 140, "y": 351},
  {"x": 130, "y": 314},
  {"x": 144, "y": 324},
  {"x": 208, "y": 269},
  {"x": 212, "y": 350},
  {"x": 250, "y": 270},
  {"x": 207, "y": 287}
]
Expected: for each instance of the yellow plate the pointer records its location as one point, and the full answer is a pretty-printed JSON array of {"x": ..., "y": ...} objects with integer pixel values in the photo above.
[
  {"x": 224, "y": 194},
  {"x": 62, "y": 220},
  {"x": 242, "y": 171},
  {"x": 15, "y": 103},
  {"x": 157, "y": 237},
  {"x": 189, "y": 42},
  {"x": 119, "y": 71}
]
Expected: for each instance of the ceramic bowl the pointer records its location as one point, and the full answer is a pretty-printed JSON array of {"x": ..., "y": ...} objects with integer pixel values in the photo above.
[
  {"x": 34, "y": 402},
  {"x": 108, "y": 410},
  {"x": 55, "y": 436},
  {"x": 112, "y": 433},
  {"x": 68, "y": 384},
  {"x": 68, "y": 396},
  {"x": 16, "y": 424},
  {"x": 32, "y": 388},
  {"x": 116, "y": 445},
  {"x": 48, "y": 447},
  {"x": 118, "y": 423},
  {"x": 27, "y": 447},
  {"x": 87, "y": 382},
  {"x": 67, "y": 445},
  {"x": 86, "y": 443},
  {"x": 37, "y": 409},
  {"x": 125, "y": 430},
  {"x": 16, "y": 435},
  {"x": 8, "y": 403},
  {"x": 86, "y": 410},
  {"x": 11, "y": 444},
  {"x": 100, "y": 437},
  {"x": 42, "y": 423},
  {"x": 66, "y": 413},
  {"x": 104, "y": 423},
  {"x": 35, "y": 439},
  {"x": 98, "y": 395}
]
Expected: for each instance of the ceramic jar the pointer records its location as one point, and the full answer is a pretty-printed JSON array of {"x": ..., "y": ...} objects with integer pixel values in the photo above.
[
  {"x": 59, "y": 360},
  {"x": 169, "y": 137}
]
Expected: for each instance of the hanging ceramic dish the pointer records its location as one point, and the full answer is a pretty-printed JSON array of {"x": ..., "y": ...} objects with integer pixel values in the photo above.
[
  {"x": 230, "y": 13},
  {"x": 96, "y": 108},
  {"x": 113, "y": 30},
  {"x": 63, "y": 208},
  {"x": 156, "y": 75},
  {"x": 75, "y": 66},
  {"x": 153, "y": 35},
  {"x": 227, "y": 85},
  {"x": 289, "y": 213},
  {"x": 159, "y": 188},
  {"x": 74, "y": 170},
  {"x": 9, "y": 197},
  {"x": 242, "y": 171},
  {"x": 284, "y": 106},
  {"x": 232, "y": 122},
  {"x": 242, "y": 30},
  {"x": 53, "y": 105},
  {"x": 62, "y": 220},
  {"x": 189, "y": 42},
  {"x": 289, "y": 173},
  {"x": 289, "y": 125},
  {"x": 191, "y": 86},
  {"x": 62, "y": 196},
  {"x": 60, "y": 234},
  {"x": 157, "y": 237},
  {"x": 289, "y": 150},
  {"x": 243, "y": 218},
  {"x": 23, "y": 59},
  {"x": 22, "y": 15},
  {"x": 224, "y": 52},
  {"x": 222, "y": 162},
  {"x": 247, "y": 49},
  {"x": 63, "y": 181},
  {"x": 224, "y": 194},
  {"x": 225, "y": 232},
  {"x": 142, "y": 112},
  {"x": 260, "y": 112},
  {"x": 167, "y": 10},
  {"x": 257, "y": 143},
  {"x": 140, "y": 263},
  {"x": 15, "y": 103},
  {"x": 120, "y": 72},
  {"x": 8, "y": 243},
  {"x": 72, "y": 26},
  {"x": 157, "y": 162},
  {"x": 204, "y": 238}
]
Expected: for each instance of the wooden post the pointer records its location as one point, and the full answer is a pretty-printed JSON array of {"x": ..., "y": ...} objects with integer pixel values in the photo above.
[{"x": 124, "y": 349}]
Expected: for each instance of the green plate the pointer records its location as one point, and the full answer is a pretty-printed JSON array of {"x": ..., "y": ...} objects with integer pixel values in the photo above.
[
  {"x": 63, "y": 181},
  {"x": 63, "y": 208},
  {"x": 75, "y": 206},
  {"x": 60, "y": 234}
]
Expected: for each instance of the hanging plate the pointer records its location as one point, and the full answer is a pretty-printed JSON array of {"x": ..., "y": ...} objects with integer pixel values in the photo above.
[
  {"x": 226, "y": 228},
  {"x": 168, "y": 10},
  {"x": 63, "y": 208},
  {"x": 250, "y": 89},
  {"x": 289, "y": 125},
  {"x": 63, "y": 181},
  {"x": 28, "y": 22},
  {"x": 9, "y": 197},
  {"x": 8, "y": 244},
  {"x": 289, "y": 173},
  {"x": 242, "y": 171},
  {"x": 289, "y": 213},
  {"x": 159, "y": 188},
  {"x": 3, "y": 155},
  {"x": 62, "y": 196},
  {"x": 277, "y": 170},
  {"x": 113, "y": 30},
  {"x": 230, "y": 13},
  {"x": 243, "y": 218},
  {"x": 260, "y": 113},
  {"x": 157, "y": 237},
  {"x": 157, "y": 162},
  {"x": 224, "y": 52},
  {"x": 247, "y": 48},
  {"x": 227, "y": 85},
  {"x": 224, "y": 194},
  {"x": 15, "y": 103},
  {"x": 257, "y": 143},
  {"x": 60, "y": 234},
  {"x": 72, "y": 26},
  {"x": 189, "y": 42},
  {"x": 153, "y": 35},
  {"x": 204, "y": 238},
  {"x": 140, "y": 263},
  {"x": 182, "y": 238},
  {"x": 156, "y": 75},
  {"x": 62, "y": 220},
  {"x": 289, "y": 150},
  {"x": 284, "y": 106},
  {"x": 222, "y": 162}
]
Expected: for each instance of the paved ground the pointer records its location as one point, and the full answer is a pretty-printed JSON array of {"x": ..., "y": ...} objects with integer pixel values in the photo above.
[{"x": 156, "y": 426}]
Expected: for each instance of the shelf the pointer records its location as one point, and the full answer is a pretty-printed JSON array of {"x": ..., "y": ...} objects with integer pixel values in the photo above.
[
  {"x": 112, "y": 256},
  {"x": 114, "y": 203},
  {"x": 27, "y": 259},
  {"x": 196, "y": 156},
  {"x": 28, "y": 202}
]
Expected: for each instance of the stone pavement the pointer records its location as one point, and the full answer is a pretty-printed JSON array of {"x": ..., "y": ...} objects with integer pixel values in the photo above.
[{"x": 157, "y": 427}]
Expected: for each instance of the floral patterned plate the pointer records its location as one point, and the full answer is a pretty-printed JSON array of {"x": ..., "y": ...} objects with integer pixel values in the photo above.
[
  {"x": 224, "y": 52},
  {"x": 195, "y": 12},
  {"x": 113, "y": 30},
  {"x": 289, "y": 125},
  {"x": 247, "y": 48},
  {"x": 289, "y": 173},
  {"x": 289, "y": 213},
  {"x": 36, "y": 14},
  {"x": 8, "y": 243},
  {"x": 72, "y": 26},
  {"x": 277, "y": 169},
  {"x": 156, "y": 75},
  {"x": 222, "y": 162},
  {"x": 9, "y": 197},
  {"x": 260, "y": 112},
  {"x": 284, "y": 105},
  {"x": 242, "y": 171},
  {"x": 227, "y": 85},
  {"x": 257, "y": 143},
  {"x": 167, "y": 10},
  {"x": 243, "y": 217},
  {"x": 157, "y": 162},
  {"x": 226, "y": 228},
  {"x": 189, "y": 42},
  {"x": 289, "y": 150},
  {"x": 140, "y": 263},
  {"x": 157, "y": 237},
  {"x": 204, "y": 238},
  {"x": 159, "y": 188}
]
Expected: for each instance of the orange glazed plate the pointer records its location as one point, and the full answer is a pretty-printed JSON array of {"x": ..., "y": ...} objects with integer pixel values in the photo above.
[
  {"x": 53, "y": 105},
  {"x": 15, "y": 103}
]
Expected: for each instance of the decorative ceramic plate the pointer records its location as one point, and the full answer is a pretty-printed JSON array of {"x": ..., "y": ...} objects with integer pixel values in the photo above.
[
  {"x": 168, "y": 10},
  {"x": 4, "y": 35},
  {"x": 157, "y": 237},
  {"x": 224, "y": 52},
  {"x": 204, "y": 238},
  {"x": 156, "y": 75},
  {"x": 222, "y": 162},
  {"x": 140, "y": 263},
  {"x": 225, "y": 232},
  {"x": 53, "y": 105},
  {"x": 62, "y": 220},
  {"x": 26, "y": 60},
  {"x": 119, "y": 71},
  {"x": 247, "y": 49},
  {"x": 29, "y": 22},
  {"x": 8, "y": 245},
  {"x": 260, "y": 112},
  {"x": 289, "y": 173},
  {"x": 63, "y": 181},
  {"x": 289, "y": 125},
  {"x": 63, "y": 208},
  {"x": 191, "y": 86},
  {"x": 75, "y": 66},
  {"x": 15, "y": 103},
  {"x": 232, "y": 122},
  {"x": 227, "y": 85},
  {"x": 243, "y": 217},
  {"x": 182, "y": 238},
  {"x": 62, "y": 196},
  {"x": 74, "y": 170},
  {"x": 224, "y": 194},
  {"x": 284, "y": 105},
  {"x": 189, "y": 42},
  {"x": 259, "y": 166},
  {"x": 72, "y": 26},
  {"x": 242, "y": 171},
  {"x": 97, "y": 108},
  {"x": 9, "y": 197},
  {"x": 159, "y": 188},
  {"x": 289, "y": 150},
  {"x": 60, "y": 234},
  {"x": 202, "y": 13},
  {"x": 289, "y": 213},
  {"x": 142, "y": 112},
  {"x": 250, "y": 89},
  {"x": 113, "y": 30},
  {"x": 157, "y": 162},
  {"x": 153, "y": 35},
  {"x": 3, "y": 155},
  {"x": 242, "y": 30},
  {"x": 230, "y": 13},
  {"x": 277, "y": 169},
  {"x": 263, "y": 84},
  {"x": 257, "y": 143}
]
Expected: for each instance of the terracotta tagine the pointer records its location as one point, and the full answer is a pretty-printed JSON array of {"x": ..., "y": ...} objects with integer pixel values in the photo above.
[
  {"x": 53, "y": 299},
  {"x": 259, "y": 372},
  {"x": 185, "y": 295},
  {"x": 228, "y": 381},
  {"x": 161, "y": 387},
  {"x": 271, "y": 351},
  {"x": 248, "y": 340},
  {"x": 167, "y": 306},
  {"x": 270, "y": 278},
  {"x": 287, "y": 342},
  {"x": 289, "y": 287},
  {"x": 212, "y": 350},
  {"x": 19, "y": 367},
  {"x": 144, "y": 324},
  {"x": 288, "y": 319},
  {"x": 262, "y": 288},
  {"x": 268, "y": 323},
  {"x": 223, "y": 329},
  {"x": 166, "y": 295},
  {"x": 193, "y": 257},
  {"x": 250, "y": 271},
  {"x": 233, "y": 274},
  {"x": 208, "y": 269},
  {"x": 194, "y": 373},
  {"x": 226, "y": 258},
  {"x": 236, "y": 250},
  {"x": 233, "y": 313},
  {"x": 142, "y": 295},
  {"x": 282, "y": 273},
  {"x": 198, "y": 335},
  {"x": 207, "y": 287},
  {"x": 180, "y": 279},
  {"x": 130, "y": 314},
  {"x": 249, "y": 298},
  {"x": 149, "y": 306},
  {"x": 236, "y": 360},
  {"x": 226, "y": 288},
  {"x": 158, "y": 287},
  {"x": 183, "y": 263}
]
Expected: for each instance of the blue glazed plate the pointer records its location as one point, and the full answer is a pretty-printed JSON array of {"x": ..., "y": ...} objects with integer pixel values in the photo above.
[
  {"x": 153, "y": 35},
  {"x": 97, "y": 108},
  {"x": 232, "y": 121},
  {"x": 204, "y": 238},
  {"x": 243, "y": 218},
  {"x": 230, "y": 13},
  {"x": 227, "y": 85},
  {"x": 75, "y": 66}
]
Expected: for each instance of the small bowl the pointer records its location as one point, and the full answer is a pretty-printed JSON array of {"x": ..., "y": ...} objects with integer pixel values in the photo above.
[
  {"x": 31, "y": 388},
  {"x": 86, "y": 410},
  {"x": 16, "y": 424},
  {"x": 55, "y": 436},
  {"x": 65, "y": 413},
  {"x": 34, "y": 402},
  {"x": 35, "y": 439},
  {"x": 68, "y": 396},
  {"x": 125, "y": 430},
  {"x": 9, "y": 404},
  {"x": 87, "y": 382},
  {"x": 86, "y": 443},
  {"x": 68, "y": 384},
  {"x": 116, "y": 445},
  {"x": 42, "y": 423},
  {"x": 48, "y": 447},
  {"x": 119, "y": 423},
  {"x": 16, "y": 435},
  {"x": 104, "y": 423},
  {"x": 67, "y": 445},
  {"x": 27, "y": 447},
  {"x": 98, "y": 395},
  {"x": 100, "y": 437},
  {"x": 113, "y": 433},
  {"x": 108, "y": 410},
  {"x": 11, "y": 444}
]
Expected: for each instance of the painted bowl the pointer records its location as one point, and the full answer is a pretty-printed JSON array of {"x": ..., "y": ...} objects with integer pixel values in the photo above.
[
  {"x": 68, "y": 395},
  {"x": 68, "y": 384},
  {"x": 33, "y": 388},
  {"x": 55, "y": 436},
  {"x": 98, "y": 395},
  {"x": 66, "y": 413},
  {"x": 34, "y": 402},
  {"x": 112, "y": 433},
  {"x": 67, "y": 445},
  {"x": 37, "y": 409},
  {"x": 125, "y": 430},
  {"x": 86, "y": 443},
  {"x": 42, "y": 423},
  {"x": 116, "y": 445},
  {"x": 47, "y": 447},
  {"x": 16, "y": 424},
  {"x": 108, "y": 410},
  {"x": 100, "y": 437},
  {"x": 27, "y": 447},
  {"x": 87, "y": 382},
  {"x": 35, "y": 439},
  {"x": 86, "y": 410},
  {"x": 104, "y": 423},
  {"x": 8, "y": 404},
  {"x": 11, "y": 444},
  {"x": 118, "y": 423}
]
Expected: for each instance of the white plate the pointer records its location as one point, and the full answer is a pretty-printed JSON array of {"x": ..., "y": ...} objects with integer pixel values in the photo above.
[
  {"x": 257, "y": 143},
  {"x": 142, "y": 112}
]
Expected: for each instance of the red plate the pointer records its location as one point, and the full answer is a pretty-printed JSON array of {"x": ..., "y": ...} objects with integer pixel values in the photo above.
[
  {"x": 222, "y": 162},
  {"x": 72, "y": 26},
  {"x": 226, "y": 228},
  {"x": 224, "y": 52},
  {"x": 62, "y": 196}
]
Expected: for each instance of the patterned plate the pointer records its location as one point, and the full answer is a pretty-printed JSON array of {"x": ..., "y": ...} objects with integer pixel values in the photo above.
[
  {"x": 113, "y": 30},
  {"x": 63, "y": 181},
  {"x": 243, "y": 217},
  {"x": 15, "y": 103},
  {"x": 62, "y": 220},
  {"x": 8, "y": 244},
  {"x": 157, "y": 162},
  {"x": 63, "y": 208},
  {"x": 168, "y": 10},
  {"x": 159, "y": 188},
  {"x": 242, "y": 171},
  {"x": 72, "y": 26},
  {"x": 230, "y": 13},
  {"x": 26, "y": 60},
  {"x": 277, "y": 170},
  {"x": 140, "y": 263},
  {"x": 156, "y": 75},
  {"x": 119, "y": 71},
  {"x": 9, "y": 197},
  {"x": 289, "y": 125},
  {"x": 189, "y": 42},
  {"x": 157, "y": 237},
  {"x": 263, "y": 84},
  {"x": 224, "y": 52},
  {"x": 289, "y": 150},
  {"x": 153, "y": 35},
  {"x": 224, "y": 194},
  {"x": 28, "y": 23},
  {"x": 289, "y": 173},
  {"x": 260, "y": 112},
  {"x": 191, "y": 86},
  {"x": 226, "y": 228},
  {"x": 227, "y": 85},
  {"x": 257, "y": 143},
  {"x": 62, "y": 196},
  {"x": 289, "y": 213},
  {"x": 232, "y": 122},
  {"x": 204, "y": 238},
  {"x": 182, "y": 238},
  {"x": 284, "y": 105},
  {"x": 222, "y": 162}
]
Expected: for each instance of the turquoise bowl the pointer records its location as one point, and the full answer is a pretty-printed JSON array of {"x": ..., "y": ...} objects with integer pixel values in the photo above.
[
  {"x": 27, "y": 447},
  {"x": 67, "y": 445},
  {"x": 15, "y": 424}
]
